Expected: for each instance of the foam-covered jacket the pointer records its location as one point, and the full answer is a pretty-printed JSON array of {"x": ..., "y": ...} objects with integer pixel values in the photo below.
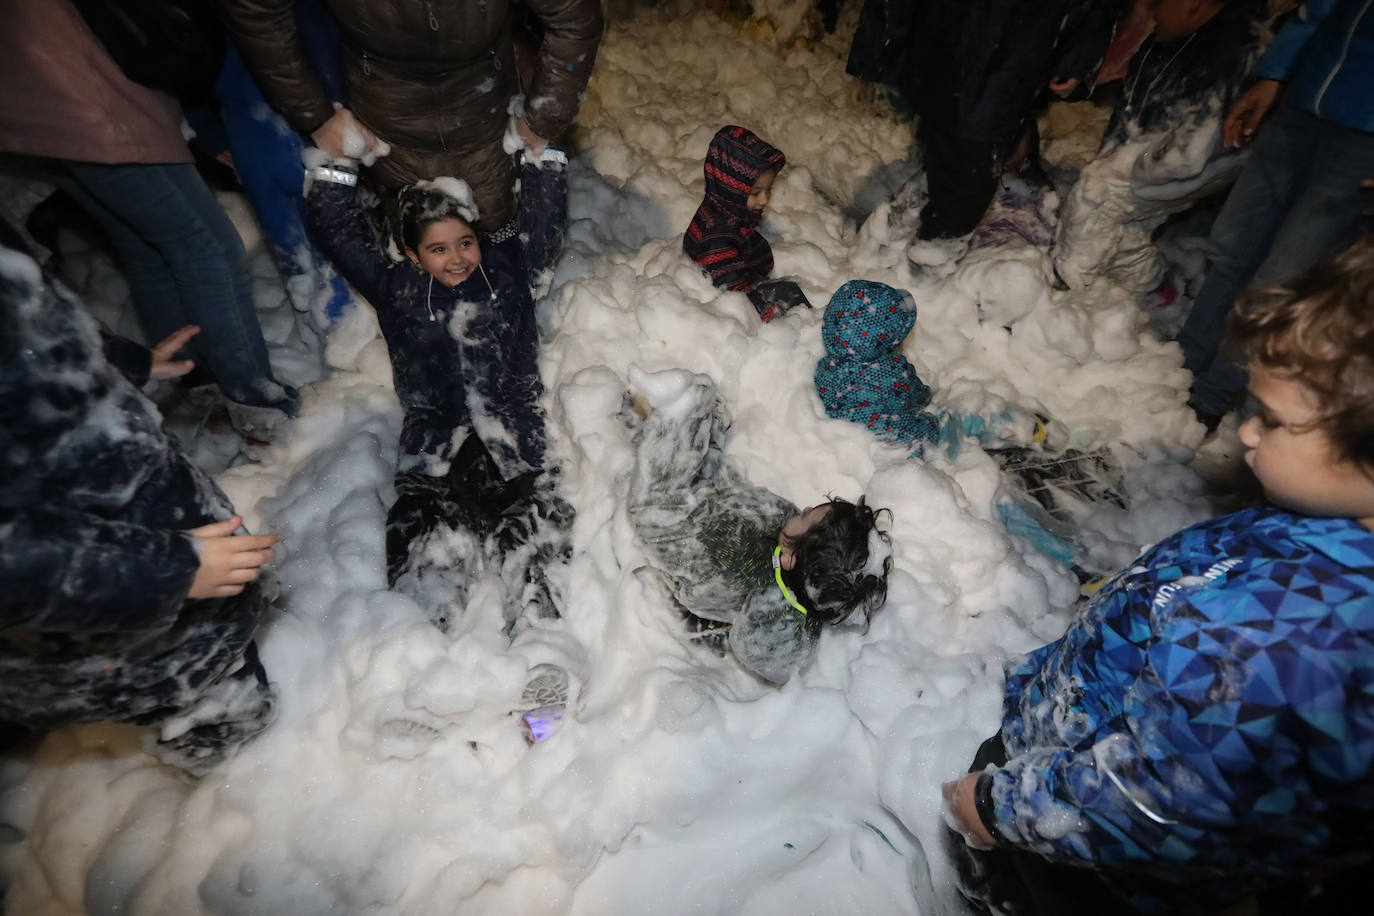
[
  {"x": 863, "y": 377},
  {"x": 1208, "y": 720},
  {"x": 461, "y": 358},
  {"x": 432, "y": 78},
  {"x": 1170, "y": 86},
  {"x": 723, "y": 237},
  {"x": 95, "y": 500},
  {"x": 712, "y": 534},
  {"x": 1325, "y": 58}
]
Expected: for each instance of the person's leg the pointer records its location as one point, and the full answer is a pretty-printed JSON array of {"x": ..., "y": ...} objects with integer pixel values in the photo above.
[
  {"x": 172, "y": 211},
  {"x": 1324, "y": 219},
  {"x": 961, "y": 178},
  {"x": 229, "y": 713},
  {"x": 1240, "y": 240},
  {"x": 435, "y": 532},
  {"x": 150, "y": 279}
]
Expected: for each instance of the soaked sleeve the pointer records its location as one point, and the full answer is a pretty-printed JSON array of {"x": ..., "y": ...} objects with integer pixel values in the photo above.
[
  {"x": 1277, "y": 62},
  {"x": 572, "y": 33},
  {"x": 69, "y": 572},
  {"x": 340, "y": 227},
  {"x": 265, "y": 33},
  {"x": 1240, "y": 745},
  {"x": 678, "y": 449}
]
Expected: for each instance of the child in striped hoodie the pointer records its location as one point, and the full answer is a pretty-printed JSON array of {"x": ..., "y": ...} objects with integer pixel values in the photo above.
[{"x": 723, "y": 237}]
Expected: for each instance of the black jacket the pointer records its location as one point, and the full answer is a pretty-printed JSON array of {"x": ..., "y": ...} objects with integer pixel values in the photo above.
[
  {"x": 976, "y": 67},
  {"x": 95, "y": 499}
]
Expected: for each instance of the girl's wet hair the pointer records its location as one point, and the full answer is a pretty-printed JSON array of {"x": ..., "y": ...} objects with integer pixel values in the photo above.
[
  {"x": 833, "y": 576},
  {"x": 416, "y": 208}
]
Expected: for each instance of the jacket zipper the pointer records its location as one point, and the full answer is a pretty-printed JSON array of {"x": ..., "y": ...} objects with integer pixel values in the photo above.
[{"x": 1340, "y": 62}]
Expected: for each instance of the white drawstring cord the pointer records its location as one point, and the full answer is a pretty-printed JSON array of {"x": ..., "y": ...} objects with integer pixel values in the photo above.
[
  {"x": 484, "y": 277},
  {"x": 428, "y": 293}
]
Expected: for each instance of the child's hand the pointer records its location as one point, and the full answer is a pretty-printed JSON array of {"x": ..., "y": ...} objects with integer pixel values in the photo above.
[
  {"x": 164, "y": 366},
  {"x": 1248, "y": 111},
  {"x": 961, "y": 812},
  {"x": 228, "y": 561}
]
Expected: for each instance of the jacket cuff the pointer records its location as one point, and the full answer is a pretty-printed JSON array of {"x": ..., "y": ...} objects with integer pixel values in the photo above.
[{"x": 983, "y": 804}]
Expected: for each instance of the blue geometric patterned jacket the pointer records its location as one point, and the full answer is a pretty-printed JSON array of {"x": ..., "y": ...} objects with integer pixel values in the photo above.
[{"x": 1209, "y": 714}]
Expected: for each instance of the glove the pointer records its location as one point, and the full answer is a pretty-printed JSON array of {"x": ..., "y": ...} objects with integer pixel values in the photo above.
[{"x": 777, "y": 297}]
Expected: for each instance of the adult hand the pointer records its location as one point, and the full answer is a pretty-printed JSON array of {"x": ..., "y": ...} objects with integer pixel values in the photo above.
[
  {"x": 164, "y": 366},
  {"x": 228, "y": 562},
  {"x": 1248, "y": 111},
  {"x": 1064, "y": 87},
  {"x": 533, "y": 142},
  {"x": 342, "y": 137},
  {"x": 961, "y": 812}
]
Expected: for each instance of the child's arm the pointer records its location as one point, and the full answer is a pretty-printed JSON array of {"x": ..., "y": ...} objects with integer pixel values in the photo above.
[
  {"x": 1222, "y": 744},
  {"x": 675, "y": 444},
  {"x": 340, "y": 227},
  {"x": 67, "y": 571},
  {"x": 543, "y": 215}
]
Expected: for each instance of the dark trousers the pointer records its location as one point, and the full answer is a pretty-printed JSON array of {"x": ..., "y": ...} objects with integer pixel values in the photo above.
[
  {"x": 1297, "y": 201},
  {"x": 961, "y": 177},
  {"x": 444, "y": 531}
]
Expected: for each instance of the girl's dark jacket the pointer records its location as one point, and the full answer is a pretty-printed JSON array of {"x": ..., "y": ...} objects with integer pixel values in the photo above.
[
  {"x": 95, "y": 500},
  {"x": 431, "y": 77},
  {"x": 462, "y": 359}
]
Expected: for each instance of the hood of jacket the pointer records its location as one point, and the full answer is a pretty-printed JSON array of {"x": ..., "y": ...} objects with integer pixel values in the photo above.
[
  {"x": 862, "y": 377},
  {"x": 734, "y": 161}
]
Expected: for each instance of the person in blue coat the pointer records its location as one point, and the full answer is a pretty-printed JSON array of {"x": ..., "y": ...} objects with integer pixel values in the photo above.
[
  {"x": 1300, "y": 196},
  {"x": 1204, "y": 730}
]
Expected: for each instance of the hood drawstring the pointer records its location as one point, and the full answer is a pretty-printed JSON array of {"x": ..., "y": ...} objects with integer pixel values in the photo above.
[
  {"x": 488, "y": 282},
  {"x": 429, "y": 292}
]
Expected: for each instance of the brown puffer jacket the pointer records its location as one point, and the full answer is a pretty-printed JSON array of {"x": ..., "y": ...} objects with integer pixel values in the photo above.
[{"x": 431, "y": 77}]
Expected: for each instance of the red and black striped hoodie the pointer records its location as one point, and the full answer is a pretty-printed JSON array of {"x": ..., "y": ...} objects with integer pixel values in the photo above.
[{"x": 723, "y": 237}]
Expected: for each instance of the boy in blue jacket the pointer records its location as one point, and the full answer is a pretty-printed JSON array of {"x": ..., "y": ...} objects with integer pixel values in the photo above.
[{"x": 1205, "y": 729}]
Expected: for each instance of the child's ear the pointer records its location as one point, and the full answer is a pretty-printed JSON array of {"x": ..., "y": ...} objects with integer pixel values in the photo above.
[
  {"x": 414, "y": 258},
  {"x": 787, "y": 559}
]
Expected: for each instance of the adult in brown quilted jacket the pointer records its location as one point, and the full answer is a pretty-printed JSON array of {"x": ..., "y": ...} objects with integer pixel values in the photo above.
[{"x": 433, "y": 78}]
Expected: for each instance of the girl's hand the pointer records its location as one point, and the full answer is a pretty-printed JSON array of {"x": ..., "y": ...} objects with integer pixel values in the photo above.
[
  {"x": 228, "y": 562},
  {"x": 164, "y": 366},
  {"x": 961, "y": 812},
  {"x": 1248, "y": 111}
]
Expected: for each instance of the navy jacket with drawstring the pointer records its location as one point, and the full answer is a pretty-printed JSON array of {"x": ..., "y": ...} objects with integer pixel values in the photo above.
[{"x": 470, "y": 351}]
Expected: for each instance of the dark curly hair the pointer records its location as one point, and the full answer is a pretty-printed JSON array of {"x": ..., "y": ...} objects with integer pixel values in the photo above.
[
  {"x": 829, "y": 577},
  {"x": 1320, "y": 334}
]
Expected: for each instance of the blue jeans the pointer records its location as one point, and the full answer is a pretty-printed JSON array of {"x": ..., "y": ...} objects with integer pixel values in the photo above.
[
  {"x": 1297, "y": 201},
  {"x": 185, "y": 264}
]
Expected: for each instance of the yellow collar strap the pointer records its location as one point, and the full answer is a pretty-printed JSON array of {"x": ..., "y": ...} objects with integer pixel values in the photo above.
[{"x": 777, "y": 574}]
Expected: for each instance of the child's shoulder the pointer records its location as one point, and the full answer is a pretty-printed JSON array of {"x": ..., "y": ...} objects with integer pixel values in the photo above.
[{"x": 1269, "y": 533}]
